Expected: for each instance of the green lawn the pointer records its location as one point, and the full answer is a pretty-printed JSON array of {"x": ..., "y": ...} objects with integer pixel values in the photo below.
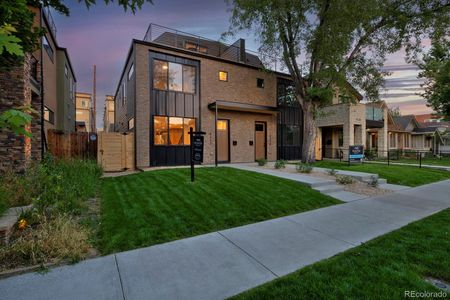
[
  {"x": 159, "y": 206},
  {"x": 380, "y": 269},
  {"x": 403, "y": 175}
]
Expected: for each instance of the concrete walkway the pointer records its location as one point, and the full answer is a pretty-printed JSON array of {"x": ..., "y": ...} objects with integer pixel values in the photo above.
[{"x": 221, "y": 264}]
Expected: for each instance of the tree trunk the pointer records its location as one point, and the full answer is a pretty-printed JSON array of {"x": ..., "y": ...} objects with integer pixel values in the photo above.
[{"x": 309, "y": 134}]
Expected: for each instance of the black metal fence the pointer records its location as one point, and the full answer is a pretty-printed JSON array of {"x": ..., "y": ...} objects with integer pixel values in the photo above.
[{"x": 411, "y": 157}]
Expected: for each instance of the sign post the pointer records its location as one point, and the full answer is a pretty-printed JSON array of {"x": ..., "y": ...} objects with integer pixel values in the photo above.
[
  {"x": 355, "y": 154},
  {"x": 197, "y": 142}
]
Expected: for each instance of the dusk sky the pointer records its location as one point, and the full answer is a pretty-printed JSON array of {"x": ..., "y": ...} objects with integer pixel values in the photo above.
[{"x": 102, "y": 35}]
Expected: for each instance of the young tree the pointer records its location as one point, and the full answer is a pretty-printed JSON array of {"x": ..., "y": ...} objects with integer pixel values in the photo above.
[
  {"x": 326, "y": 44},
  {"x": 395, "y": 112},
  {"x": 435, "y": 68}
]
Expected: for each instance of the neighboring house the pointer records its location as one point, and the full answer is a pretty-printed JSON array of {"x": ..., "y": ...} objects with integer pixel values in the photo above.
[
  {"x": 84, "y": 112},
  {"x": 205, "y": 85},
  {"x": 406, "y": 133},
  {"x": 47, "y": 82},
  {"x": 108, "y": 114}
]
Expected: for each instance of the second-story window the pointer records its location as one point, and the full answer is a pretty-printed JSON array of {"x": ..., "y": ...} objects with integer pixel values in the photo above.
[
  {"x": 260, "y": 82},
  {"x": 173, "y": 77},
  {"x": 223, "y": 76},
  {"x": 131, "y": 71},
  {"x": 47, "y": 47},
  {"x": 66, "y": 71}
]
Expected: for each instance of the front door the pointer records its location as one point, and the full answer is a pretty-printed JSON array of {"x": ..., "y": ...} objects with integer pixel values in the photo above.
[
  {"x": 223, "y": 140},
  {"x": 260, "y": 140}
]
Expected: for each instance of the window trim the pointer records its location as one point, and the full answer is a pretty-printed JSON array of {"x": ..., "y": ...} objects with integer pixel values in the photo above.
[
  {"x": 51, "y": 115},
  {"x": 257, "y": 81},
  {"x": 48, "y": 48},
  {"x": 167, "y": 79},
  {"x": 221, "y": 71},
  {"x": 168, "y": 131}
]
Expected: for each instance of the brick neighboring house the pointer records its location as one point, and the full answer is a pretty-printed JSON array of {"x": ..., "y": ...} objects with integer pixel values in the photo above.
[
  {"x": 406, "y": 133},
  {"x": 46, "y": 81},
  {"x": 108, "y": 114}
]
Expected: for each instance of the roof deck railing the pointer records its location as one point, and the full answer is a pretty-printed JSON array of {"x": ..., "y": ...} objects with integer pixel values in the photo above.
[{"x": 234, "y": 52}]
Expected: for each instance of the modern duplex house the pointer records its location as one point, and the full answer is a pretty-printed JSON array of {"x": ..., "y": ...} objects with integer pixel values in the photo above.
[
  {"x": 84, "y": 112},
  {"x": 175, "y": 81},
  {"x": 46, "y": 81},
  {"x": 108, "y": 114}
]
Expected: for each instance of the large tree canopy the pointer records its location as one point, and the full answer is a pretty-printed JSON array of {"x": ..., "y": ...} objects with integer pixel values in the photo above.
[
  {"x": 325, "y": 44},
  {"x": 436, "y": 72}
]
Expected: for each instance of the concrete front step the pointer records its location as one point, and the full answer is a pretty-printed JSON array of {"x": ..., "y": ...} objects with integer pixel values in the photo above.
[
  {"x": 347, "y": 196},
  {"x": 327, "y": 189}
]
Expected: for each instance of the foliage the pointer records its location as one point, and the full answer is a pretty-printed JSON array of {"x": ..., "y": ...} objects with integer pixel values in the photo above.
[
  {"x": 328, "y": 44},
  {"x": 16, "y": 120},
  {"x": 48, "y": 240},
  {"x": 344, "y": 179},
  {"x": 303, "y": 168},
  {"x": 383, "y": 268},
  {"x": 261, "y": 162},
  {"x": 9, "y": 42},
  {"x": 435, "y": 68},
  {"x": 331, "y": 172},
  {"x": 53, "y": 185},
  {"x": 280, "y": 164},
  {"x": 395, "y": 112},
  {"x": 160, "y": 206}
]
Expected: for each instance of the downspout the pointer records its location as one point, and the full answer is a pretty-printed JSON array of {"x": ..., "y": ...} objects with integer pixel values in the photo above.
[
  {"x": 43, "y": 141},
  {"x": 135, "y": 114},
  {"x": 215, "y": 135}
]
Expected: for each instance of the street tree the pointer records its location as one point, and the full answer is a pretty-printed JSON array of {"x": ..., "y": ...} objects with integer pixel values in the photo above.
[{"x": 327, "y": 44}]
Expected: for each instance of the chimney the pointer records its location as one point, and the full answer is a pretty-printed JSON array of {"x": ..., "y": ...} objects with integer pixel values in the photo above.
[{"x": 242, "y": 56}]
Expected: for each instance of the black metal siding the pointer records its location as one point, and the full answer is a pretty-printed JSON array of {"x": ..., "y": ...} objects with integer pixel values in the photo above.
[{"x": 172, "y": 104}]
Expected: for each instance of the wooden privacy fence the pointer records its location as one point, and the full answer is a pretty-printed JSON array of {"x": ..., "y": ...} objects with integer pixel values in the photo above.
[
  {"x": 115, "y": 151},
  {"x": 72, "y": 145}
]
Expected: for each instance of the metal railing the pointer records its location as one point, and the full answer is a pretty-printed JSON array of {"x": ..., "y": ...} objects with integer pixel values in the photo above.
[
  {"x": 175, "y": 38},
  {"x": 410, "y": 157}
]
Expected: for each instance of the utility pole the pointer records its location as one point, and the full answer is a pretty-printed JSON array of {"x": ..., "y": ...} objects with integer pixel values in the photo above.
[{"x": 94, "y": 97}]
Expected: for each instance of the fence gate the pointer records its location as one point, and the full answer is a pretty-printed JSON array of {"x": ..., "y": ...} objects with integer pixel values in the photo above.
[
  {"x": 115, "y": 151},
  {"x": 72, "y": 145}
]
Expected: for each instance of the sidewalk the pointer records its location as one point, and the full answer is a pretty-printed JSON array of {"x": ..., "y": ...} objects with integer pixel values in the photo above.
[{"x": 221, "y": 264}]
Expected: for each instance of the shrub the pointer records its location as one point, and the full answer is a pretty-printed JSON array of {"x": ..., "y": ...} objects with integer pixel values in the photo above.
[
  {"x": 344, "y": 179},
  {"x": 280, "y": 164},
  {"x": 52, "y": 185},
  {"x": 331, "y": 172},
  {"x": 261, "y": 162},
  {"x": 373, "y": 181},
  {"x": 52, "y": 240},
  {"x": 304, "y": 168}
]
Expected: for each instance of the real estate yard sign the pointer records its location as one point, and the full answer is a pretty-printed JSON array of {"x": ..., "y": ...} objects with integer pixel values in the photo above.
[
  {"x": 355, "y": 153},
  {"x": 197, "y": 142}
]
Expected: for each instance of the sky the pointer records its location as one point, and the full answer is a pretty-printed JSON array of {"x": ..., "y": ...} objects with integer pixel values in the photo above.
[{"x": 102, "y": 35}]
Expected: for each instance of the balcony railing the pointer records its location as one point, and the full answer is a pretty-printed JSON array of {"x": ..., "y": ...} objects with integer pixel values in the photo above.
[{"x": 235, "y": 52}]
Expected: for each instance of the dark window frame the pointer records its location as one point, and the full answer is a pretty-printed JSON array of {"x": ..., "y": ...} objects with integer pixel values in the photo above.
[
  {"x": 51, "y": 115},
  {"x": 221, "y": 71},
  {"x": 260, "y": 82},
  {"x": 168, "y": 131},
  {"x": 48, "y": 48},
  {"x": 167, "y": 79}
]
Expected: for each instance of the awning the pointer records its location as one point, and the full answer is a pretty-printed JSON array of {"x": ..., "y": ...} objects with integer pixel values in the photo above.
[{"x": 238, "y": 106}]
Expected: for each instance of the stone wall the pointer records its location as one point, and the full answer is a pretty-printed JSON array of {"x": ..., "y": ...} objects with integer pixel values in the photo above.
[{"x": 15, "y": 91}]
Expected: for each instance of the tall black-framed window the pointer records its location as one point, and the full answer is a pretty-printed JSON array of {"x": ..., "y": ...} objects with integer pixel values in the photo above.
[
  {"x": 173, "y": 77},
  {"x": 290, "y": 122}
]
